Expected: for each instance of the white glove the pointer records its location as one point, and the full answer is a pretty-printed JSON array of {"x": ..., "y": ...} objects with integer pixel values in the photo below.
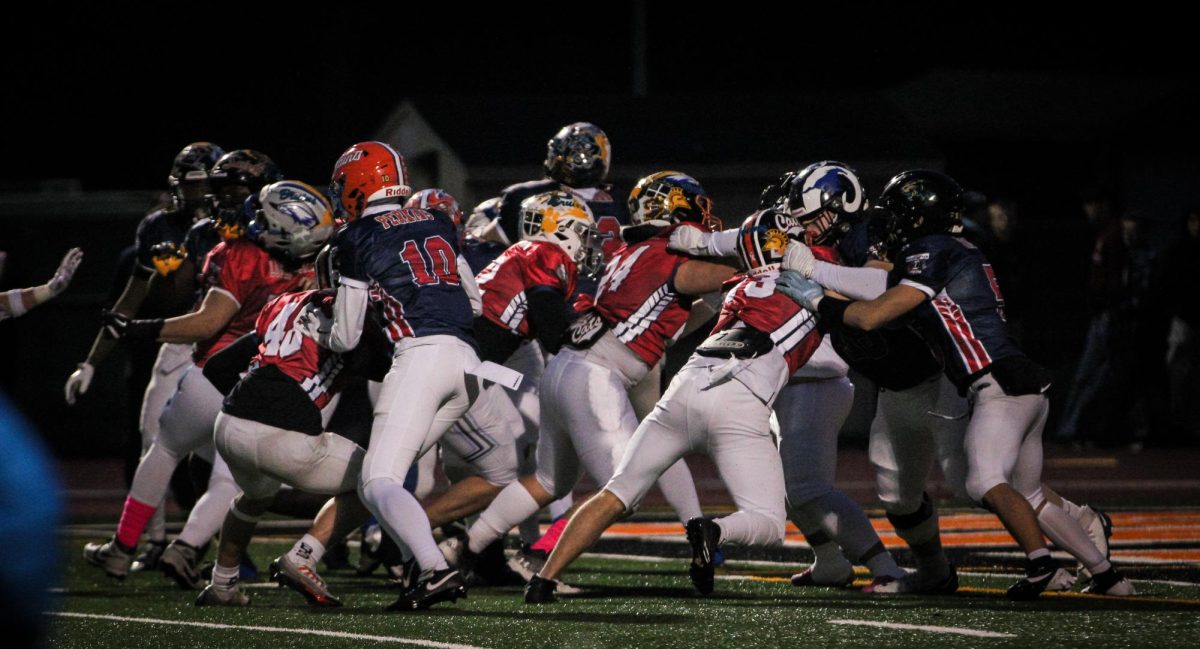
[
  {"x": 79, "y": 381},
  {"x": 693, "y": 241},
  {"x": 315, "y": 324},
  {"x": 799, "y": 257},
  {"x": 66, "y": 270}
]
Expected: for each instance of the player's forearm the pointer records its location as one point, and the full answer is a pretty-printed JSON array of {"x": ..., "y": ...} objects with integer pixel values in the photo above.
[
  {"x": 349, "y": 312},
  {"x": 127, "y": 305},
  {"x": 467, "y": 280},
  {"x": 191, "y": 328},
  {"x": 703, "y": 309},
  {"x": 214, "y": 314},
  {"x": 697, "y": 277},
  {"x": 855, "y": 283}
]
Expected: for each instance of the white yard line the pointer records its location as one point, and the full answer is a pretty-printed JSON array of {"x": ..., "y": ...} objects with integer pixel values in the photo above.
[
  {"x": 269, "y": 629},
  {"x": 931, "y": 629}
]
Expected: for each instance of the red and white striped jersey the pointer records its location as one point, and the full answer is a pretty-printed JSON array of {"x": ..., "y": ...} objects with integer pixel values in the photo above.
[
  {"x": 525, "y": 265},
  {"x": 754, "y": 302},
  {"x": 243, "y": 271},
  {"x": 637, "y": 298},
  {"x": 315, "y": 369}
]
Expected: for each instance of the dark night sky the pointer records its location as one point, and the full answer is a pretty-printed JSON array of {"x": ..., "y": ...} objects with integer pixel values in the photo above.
[{"x": 101, "y": 98}]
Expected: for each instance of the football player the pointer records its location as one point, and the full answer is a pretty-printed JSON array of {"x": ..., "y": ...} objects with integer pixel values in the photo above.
[
  {"x": 162, "y": 248},
  {"x": 577, "y": 160},
  {"x": 719, "y": 403},
  {"x": 271, "y": 429},
  {"x": 641, "y": 304},
  {"x": 406, "y": 260},
  {"x": 824, "y": 198},
  {"x": 948, "y": 286},
  {"x": 241, "y": 275}
]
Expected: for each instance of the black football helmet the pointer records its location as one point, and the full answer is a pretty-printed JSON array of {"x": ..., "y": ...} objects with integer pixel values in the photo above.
[
  {"x": 189, "y": 177},
  {"x": 237, "y": 176},
  {"x": 668, "y": 197},
  {"x": 578, "y": 155},
  {"x": 924, "y": 202},
  {"x": 819, "y": 196}
]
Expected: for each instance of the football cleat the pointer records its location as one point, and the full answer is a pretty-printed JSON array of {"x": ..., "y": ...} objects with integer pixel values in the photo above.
[
  {"x": 304, "y": 580},
  {"x": 808, "y": 579},
  {"x": 541, "y": 591},
  {"x": 148, "y": 558},
  {"x": 404, "y": 574},
  {"x": 1098, "y": 526},
  {"x": 458, "y": 555},
  {"x": 915, "y": 583},
  {"x": 436, "y": 586},
  {"x": 490, "y": 568},
  {"x": 1040, "y": 576},
  {"x": 111, "y": 556},
  {"x": 704, "y": 536},
  {"x": 179, "y": 562},
  {"x": 213, "y": 597},
  {"x": 1111, "y": 583},
  {"x": 527, "y": 562}
]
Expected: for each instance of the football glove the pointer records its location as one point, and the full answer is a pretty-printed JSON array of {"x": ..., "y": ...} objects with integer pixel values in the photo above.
[
  {"x": 800, "y": 289},
  {"x": 799, "y": 257},
  {"x": 79, "y": 382}
]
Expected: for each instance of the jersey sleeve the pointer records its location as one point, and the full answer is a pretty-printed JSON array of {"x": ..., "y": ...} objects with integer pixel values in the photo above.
[
  {"x": 226, "y": 270},
  {"x": 144, "y": 268},
  {"x": 349, "y": 257},
  {"x": 550, "y": 266},
  {"x": 923, "y": 265}
]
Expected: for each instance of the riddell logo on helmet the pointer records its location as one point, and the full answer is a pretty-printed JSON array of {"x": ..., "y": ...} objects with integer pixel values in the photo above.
[
  {"x": 348, "y": 157},
  {"x": 401, "y": 191}
]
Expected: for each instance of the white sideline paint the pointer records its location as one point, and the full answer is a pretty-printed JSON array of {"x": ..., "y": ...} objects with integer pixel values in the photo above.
[
  {"x": 918, "y": 627},
  {"x": 734, "y": 563},
  {"x": 270, "y": 629}
]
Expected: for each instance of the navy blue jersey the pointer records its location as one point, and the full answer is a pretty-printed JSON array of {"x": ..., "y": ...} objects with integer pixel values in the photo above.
[
  {"x": 480, "y": 253},
  {"x": 159, "y": 226},
  {"x": 855, "y": 245},
  {"x": 200, "y": 240},
  {"x": 408, "y": 258},
  {"x": 965, "y": 311}
]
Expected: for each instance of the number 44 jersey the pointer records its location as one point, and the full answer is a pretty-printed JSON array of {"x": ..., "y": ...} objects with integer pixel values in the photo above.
[{"x": 408, "y": 258}]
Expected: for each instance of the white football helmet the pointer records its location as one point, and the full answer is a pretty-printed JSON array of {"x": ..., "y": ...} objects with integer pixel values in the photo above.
[
  {"x": 293, "y": 218},
  {"x": 561, "y": 218}
]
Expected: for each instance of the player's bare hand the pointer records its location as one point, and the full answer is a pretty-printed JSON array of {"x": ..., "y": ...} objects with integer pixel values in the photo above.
[{"x": 79, "y": 382}]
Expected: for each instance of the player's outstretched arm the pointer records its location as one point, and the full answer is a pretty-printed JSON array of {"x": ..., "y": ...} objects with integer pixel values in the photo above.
[
  {"x": 869, "y": 315},
  {"x": 18, "y": 302},
  {"x": 695, "y": 277},
  {"x": 697, "y": 242}
]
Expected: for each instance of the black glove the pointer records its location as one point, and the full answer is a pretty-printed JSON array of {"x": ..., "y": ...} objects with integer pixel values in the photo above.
[{"x": 119, "y": 327}]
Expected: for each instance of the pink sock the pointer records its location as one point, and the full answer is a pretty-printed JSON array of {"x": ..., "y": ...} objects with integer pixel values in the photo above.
[
  {"x": 550, "y": 538},
  {"x": 133, "y": 521}
]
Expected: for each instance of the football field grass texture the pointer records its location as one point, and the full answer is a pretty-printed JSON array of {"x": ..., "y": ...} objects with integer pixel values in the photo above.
[{"x": 627, "y": 601}]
